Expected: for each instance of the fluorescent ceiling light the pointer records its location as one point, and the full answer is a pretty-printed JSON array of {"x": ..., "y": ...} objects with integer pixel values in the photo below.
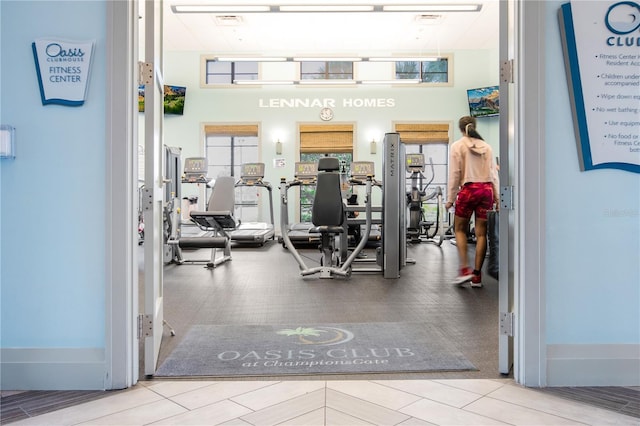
[
  {"x": 263, "y": 82},
  {"x": 400, "y": 81},
  {"x": 251, "y": 59},
  {"x": 231, "y": 8},
  {"x": 326, "y": 8},
  {"x": 446, "y": 7},
  {"x": 326, "y": 59},
  {"x": 185, "y": 8},
  {"x": 405, "y": 59}
]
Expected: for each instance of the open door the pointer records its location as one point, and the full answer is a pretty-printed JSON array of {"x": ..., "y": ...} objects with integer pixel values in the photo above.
[
  {"x": 507, "y": 162},
  {"x": 151, "y": 72}
]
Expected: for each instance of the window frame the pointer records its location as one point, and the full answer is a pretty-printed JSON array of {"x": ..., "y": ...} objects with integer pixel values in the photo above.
[
  {"x": 205, "y": 60},
  {"x": 327, "y": 73},
  {"x": 449, "y": 72},
  {"x": 234, "y": 133},
  {"x": 307, "y": 193}
]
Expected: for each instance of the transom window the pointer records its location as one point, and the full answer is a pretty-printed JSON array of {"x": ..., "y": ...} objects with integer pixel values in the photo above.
[
  {"x": 218, "y": 72},
  {"x": 427, "y": 71},
  {"x": 229, "y": 72},
  {"x": 326, "y": 70}
]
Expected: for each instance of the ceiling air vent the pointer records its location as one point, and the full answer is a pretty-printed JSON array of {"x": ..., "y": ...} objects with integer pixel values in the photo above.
[
  {"x": 228, "y": 20},
  {"x": 429, "y": 19}
]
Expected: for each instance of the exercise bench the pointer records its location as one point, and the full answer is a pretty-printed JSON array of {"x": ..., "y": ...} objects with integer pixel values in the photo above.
[{"x": 217, "y": 220}]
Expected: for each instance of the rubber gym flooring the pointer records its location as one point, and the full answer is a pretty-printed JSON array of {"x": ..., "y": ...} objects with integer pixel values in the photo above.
[{"x": 262, "y": 285}]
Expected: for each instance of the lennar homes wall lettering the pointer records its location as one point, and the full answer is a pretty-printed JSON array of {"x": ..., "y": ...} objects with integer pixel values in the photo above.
[
  {"x": 326, "y": 103},
  {"x": 63, "y": 69}
]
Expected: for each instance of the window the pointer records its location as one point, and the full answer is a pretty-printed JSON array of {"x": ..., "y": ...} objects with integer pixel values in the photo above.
[
  {"x": 326, "y": 70},
  {"x": 427, "y": 71},
  {"x": 226, "y": 149},
  {"x": 307, "y": 192},
  {"x": 227, "y": 72},
  {"x": 438, "y": 154},
  {"x": 431, "y": 140},
  {"x": 334, "y": 140}
]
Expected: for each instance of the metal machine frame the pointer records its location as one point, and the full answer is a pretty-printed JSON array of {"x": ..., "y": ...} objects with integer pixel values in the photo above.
[{"x": 252, "y": 175}]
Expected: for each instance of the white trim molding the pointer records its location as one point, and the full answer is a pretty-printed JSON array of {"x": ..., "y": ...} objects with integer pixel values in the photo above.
[
  {"x": 52, "y": 369},
  {"x": 593, "y": 365}
]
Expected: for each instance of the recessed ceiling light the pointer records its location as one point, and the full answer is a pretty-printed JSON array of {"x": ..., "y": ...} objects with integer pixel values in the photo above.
[
  {"x": 228, "y": 20},
  {"x": 429, "y": 19}
]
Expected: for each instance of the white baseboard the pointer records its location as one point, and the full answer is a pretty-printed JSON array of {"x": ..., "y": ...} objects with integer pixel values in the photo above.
[
  {"x": 52, "y": 369},
  {"x": 593, "y": 365}
]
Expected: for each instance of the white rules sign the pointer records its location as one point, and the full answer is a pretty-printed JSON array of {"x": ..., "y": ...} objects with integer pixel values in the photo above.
[
  {"x": 602, "y": 56},
  {"x": 63, "y": 69}
]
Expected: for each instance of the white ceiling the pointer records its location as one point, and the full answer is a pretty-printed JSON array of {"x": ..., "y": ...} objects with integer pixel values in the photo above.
[{"x": 330, "y": 34}]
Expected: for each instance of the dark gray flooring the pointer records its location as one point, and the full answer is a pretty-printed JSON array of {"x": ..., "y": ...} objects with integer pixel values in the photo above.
[
  {"x": 23, "y": 405},
  {"x": 262, "y": 285}
]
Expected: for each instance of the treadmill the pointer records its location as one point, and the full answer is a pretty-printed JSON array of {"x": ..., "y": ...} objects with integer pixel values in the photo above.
[
  {"x": 306, "y": 173},
  {"x": 252, "y": 175},
  {"x": 359, "y": 170}
]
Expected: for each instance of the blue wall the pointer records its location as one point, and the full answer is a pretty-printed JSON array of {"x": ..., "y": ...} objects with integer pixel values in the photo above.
[
  {"x": 53, "y": 194},
  {"x": 593, "y": 228}
]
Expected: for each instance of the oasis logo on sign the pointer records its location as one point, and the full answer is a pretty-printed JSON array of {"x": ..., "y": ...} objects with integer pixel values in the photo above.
[
  {"x": 321, "y": 336},
  {"x": 622, "y": 19},
  {"x": 63, "y": 70},
  {"x": 316, "y": 346}
]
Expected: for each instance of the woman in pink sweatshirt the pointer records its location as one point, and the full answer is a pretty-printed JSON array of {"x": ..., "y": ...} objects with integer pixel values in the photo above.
[{"x": 473, "y": 185}]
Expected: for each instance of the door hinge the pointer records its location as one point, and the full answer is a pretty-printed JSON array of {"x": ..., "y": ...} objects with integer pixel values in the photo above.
[
  {"x": 145, "y": 73},
  {"x": 145, "y": 326},
  {"x": 147, "y": 199},
  {"x": 506, "y": 323},
  {"x": 506, "y": 197},
  {"x": 506, "y": 71}
]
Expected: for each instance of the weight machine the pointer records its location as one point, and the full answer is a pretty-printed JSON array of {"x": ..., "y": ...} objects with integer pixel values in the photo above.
[{"x": 329, "y": 221}]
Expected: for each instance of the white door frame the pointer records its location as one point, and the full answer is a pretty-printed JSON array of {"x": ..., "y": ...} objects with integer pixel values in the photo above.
[
  {"x": 121, "y": 263},
  {"x": 529, "y": 183},
  {"x": 530, "y": 188}
]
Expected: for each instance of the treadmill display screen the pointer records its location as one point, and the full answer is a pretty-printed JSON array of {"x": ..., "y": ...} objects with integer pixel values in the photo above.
[
  {"x": 415, "y": 162},
  {"x": 306, "y": 170},
  {"x": 252, "y": 170},
  {"x": 195, "y": 165},
  {"x": 362, "y": 168}
]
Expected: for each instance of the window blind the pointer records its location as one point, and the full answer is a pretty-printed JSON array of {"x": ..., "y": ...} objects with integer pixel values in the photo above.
[
  {"x": 326, "y": 138},
  {"x": 423, "y": 133}
]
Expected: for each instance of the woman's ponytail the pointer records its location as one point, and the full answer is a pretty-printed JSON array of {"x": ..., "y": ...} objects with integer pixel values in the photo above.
[{"x": 467, "y": 125}]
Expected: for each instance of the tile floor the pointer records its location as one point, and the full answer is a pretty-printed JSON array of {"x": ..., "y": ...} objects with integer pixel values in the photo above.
[{"x": 353, "y": 402}]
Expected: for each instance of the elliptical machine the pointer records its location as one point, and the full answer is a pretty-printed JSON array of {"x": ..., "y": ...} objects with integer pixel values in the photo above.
[{"x": 419, "y": 229}]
